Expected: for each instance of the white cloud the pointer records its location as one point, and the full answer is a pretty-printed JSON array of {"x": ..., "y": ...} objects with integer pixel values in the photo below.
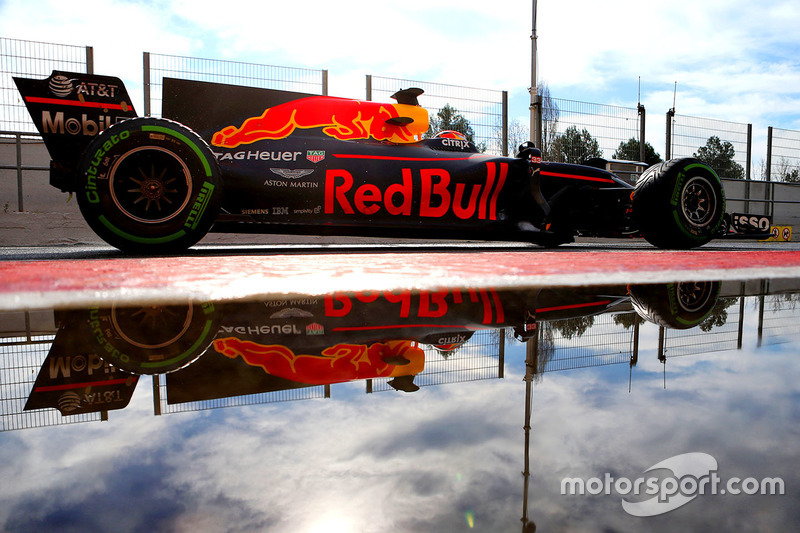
[{"x": 733, "y": 59}]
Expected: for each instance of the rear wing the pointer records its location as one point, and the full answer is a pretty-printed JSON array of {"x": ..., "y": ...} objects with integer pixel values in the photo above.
[{"x": 69, "y": 109}]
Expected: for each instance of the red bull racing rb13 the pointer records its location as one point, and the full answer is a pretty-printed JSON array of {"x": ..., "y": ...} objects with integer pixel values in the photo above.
[{"x": 239, "y": 159}]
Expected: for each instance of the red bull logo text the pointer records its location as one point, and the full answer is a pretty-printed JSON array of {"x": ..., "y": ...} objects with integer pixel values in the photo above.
[
  {"x": 425, "y": 304},
  {"x": 340, "y": 118},
  {"x": 437, "y": 195}
]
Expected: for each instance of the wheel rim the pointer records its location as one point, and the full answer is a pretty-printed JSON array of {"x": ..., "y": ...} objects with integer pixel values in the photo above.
[
  {"x": 698, "y": 202},
  {"x": 152, "y": 327},
  {"x": 150, "y": 184},
  {"x": 692, "y": 297}
]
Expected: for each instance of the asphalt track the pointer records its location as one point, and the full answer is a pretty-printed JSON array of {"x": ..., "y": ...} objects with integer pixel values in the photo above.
[{"x": 63, "y": 277}]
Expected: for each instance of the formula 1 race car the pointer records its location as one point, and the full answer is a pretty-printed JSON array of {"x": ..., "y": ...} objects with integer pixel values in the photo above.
[{"x": 239, "y": 159}]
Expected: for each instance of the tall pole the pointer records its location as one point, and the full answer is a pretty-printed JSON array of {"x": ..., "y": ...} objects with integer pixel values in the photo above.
[{"x": 534, "y": 90}]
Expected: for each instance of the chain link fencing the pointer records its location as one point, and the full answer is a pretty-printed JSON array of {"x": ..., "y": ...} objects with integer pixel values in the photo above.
[
  {"x": 158, "y": 66},
  {"x": 574, "y": 132},
  {"x": 485, "y": 110},
  {"x": 33, "y": 59}
]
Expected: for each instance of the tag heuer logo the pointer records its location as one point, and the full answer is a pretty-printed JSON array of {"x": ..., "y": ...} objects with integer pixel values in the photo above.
[{"x": 315, "y": 156}]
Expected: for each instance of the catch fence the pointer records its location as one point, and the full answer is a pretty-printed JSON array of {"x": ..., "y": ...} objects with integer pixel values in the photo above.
[
  {"x": 573, "y": 131},
  {"x": 481, "y": 357},
  {"x": 725, "y": 146},
  {"x": 158, "y": 66},
  {"x": 21, "y": 357},
  {"x": 783, "y": 155},
  {"x": 486, "y": 110},
  {"x": 720, "y": 332},
  {"x": 584, "y": 342},
  {"x": 33, "y": 59}
]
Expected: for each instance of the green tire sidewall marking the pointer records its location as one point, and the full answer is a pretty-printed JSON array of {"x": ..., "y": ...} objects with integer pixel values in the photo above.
[
  {"x": 185, "y": 139},
  {"x": 676, "y": 191},
  {"x": 676, "y": 196},
  {"x": 177, "y": 235},
  {"x": 185, "y": 354},
  {"x": 144, "y": 240},
  {"x": 201, "y": 208},
  {"x": 673, "y": 307}
]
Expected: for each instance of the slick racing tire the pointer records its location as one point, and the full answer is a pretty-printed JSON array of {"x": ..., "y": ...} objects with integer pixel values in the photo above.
[
  {"x": 681, "y": 305},
  {"x": 154, "y": 339},
  {"x": 679, "y": 204},
  {"x": 149, "y": 185}
]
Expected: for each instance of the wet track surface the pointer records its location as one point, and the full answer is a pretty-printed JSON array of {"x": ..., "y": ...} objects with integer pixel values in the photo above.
[
  {"x": 600, "y": 386},
  {"x": 358, "y": 245}
]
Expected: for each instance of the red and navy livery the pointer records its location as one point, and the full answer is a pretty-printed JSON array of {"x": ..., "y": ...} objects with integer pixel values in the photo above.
[{"x": 238, "y": 159}]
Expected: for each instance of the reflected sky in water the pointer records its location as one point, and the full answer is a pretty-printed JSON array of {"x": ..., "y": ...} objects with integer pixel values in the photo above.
[{"x": 450, "y": 456}]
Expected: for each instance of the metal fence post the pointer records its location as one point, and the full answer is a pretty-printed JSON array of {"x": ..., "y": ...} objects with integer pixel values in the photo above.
[
  {"x": 89, "y": 60},
  {"x": 505, "y": 123},
  {"x": 18, "y": 141},
  {"x": 146, "y": 86},
  {"x": 748, "y": 175},
  {"x": 501, "y": 355},
  {"x": 768, "y": 193},
  {"x": 537, "y": 140},
  {"x": 668, "y": 149},
  {"x": 749, "y": 151},
  {"x": 369, "y": 87},
  {"x": 324, "y": 83},
  {"x": 769, "y": 154},
  {"x": 156, "y": 395},
  {"x": 642, "y": 114}
]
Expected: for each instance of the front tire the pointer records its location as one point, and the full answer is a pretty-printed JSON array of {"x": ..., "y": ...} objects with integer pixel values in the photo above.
[
  {"x": 681, "y": 305},
  {"x": 679, "y": 204},
  {"x": 149, "y": 186}
]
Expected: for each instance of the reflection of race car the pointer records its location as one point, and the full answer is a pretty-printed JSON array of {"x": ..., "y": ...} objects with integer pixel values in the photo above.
[
  {"x": 236, "y": 348},
  {"x": 278, "y": 162}
]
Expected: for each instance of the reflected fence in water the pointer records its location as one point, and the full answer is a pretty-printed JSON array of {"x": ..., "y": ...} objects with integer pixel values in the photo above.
[{"x": 768, "y": 310}]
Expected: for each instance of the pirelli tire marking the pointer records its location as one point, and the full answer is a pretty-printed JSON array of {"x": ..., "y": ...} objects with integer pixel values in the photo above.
[{"x": 149, "y": 183}]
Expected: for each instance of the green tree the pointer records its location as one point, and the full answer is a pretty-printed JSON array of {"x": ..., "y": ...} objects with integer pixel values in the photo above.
[
  {"x": 719, "y": 315},
  {"x": 719, "y": 156},
  {"x": 628, "y": 320},
  {"x": 448, "y": 118},
  {"x": 574, "y": 147},
  {"x": 573, "y": 327},
  {"x": 787, "y": 172},
  {"x": 630, "y": 151}
]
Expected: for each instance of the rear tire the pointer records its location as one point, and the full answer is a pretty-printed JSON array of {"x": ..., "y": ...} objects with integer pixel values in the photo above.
[
  {"x": 153, "y": 339},
  {"x": 679, "y": 204},
  {"x": 149, "y": 185}
]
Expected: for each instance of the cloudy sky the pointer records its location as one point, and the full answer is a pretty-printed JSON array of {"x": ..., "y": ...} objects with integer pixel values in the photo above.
[
  {"x": 732, "y": 60},
  {"x": 431, "y": 460}
]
